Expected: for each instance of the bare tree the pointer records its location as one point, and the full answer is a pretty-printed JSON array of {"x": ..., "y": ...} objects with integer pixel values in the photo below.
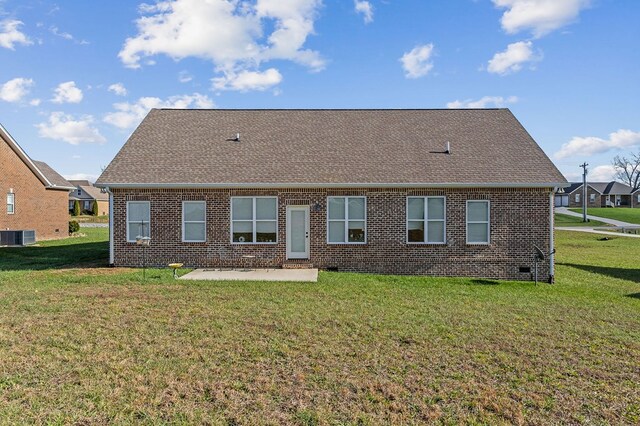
[{"x": 628, "y": 170}]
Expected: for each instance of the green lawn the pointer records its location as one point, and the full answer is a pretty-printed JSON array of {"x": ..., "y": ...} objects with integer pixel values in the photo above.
[
  {"x": 624, "y": 214},
  {"x": 87, "y": 218},
  {"x": 84, "y": 344},
  {"x": 567, "y": 220}
]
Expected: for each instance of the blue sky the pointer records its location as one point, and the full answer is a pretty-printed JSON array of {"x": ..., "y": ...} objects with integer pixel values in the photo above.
[{"x": 78, "y": 76}]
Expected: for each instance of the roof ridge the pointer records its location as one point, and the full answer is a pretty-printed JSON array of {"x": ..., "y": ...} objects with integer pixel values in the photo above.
[{"x": 331, "y": 109}]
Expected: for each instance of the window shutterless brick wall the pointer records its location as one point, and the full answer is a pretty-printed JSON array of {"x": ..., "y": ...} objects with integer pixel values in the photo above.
[
  {"x": 519, "y": 220},
  {"x": 36, "y": 208}
]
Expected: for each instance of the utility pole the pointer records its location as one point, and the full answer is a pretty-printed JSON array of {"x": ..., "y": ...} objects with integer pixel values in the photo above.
[{"x": 584, "y": 192}]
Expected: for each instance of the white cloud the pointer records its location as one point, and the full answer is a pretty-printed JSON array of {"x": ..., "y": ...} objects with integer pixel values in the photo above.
[
  {"x": 184, "y": 77},
  {"x": 128, "y": 115},
  {"x": 603, "y": 173},
  {"x": 118, "y": 89},
  {"x": 81, "y": 176},
  {"x": 235, "y": 36},
  {"x": 16, "y": 89},
  {"x": 364, "y": 7},
  {"x": 585, "y": 146},
  {"x": 484, "y": 102},
  {"x": 512, "y": 59},
  {"x": 56, "y": 31},
  {"x": 416, "y": 63},
  {"x": 35, "y": 102},
  {"x": 248, "y": 80},
  {"x": 10, "y": 35},
  {"x": 539, "y": 16},
  {"x": 66, "y": 127},
  {"x": 67, "y": 93}
]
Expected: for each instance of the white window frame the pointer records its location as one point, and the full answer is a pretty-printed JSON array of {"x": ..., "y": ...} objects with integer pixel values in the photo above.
[
  {"x": 11, "y": 203},
  {"x": 253, "y": 220},
  {"x": 426, "y": 220},
  {"x": 577, "y": 197},
  {"x": 487, "y": 222},
  {"x": 185, "y": 222},
  {"x": 592, "y": 198},
  {"x": 129, "y": 240},
  {"x": 638, "y": 198},
  {"x": 346, "y": 219}
]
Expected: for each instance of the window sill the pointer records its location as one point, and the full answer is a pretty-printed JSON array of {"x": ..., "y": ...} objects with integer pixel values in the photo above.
[
  {"x": 426, "y": 244},
  {"x": 346, "y": 244},
  {"x": 235, "y": 243}
]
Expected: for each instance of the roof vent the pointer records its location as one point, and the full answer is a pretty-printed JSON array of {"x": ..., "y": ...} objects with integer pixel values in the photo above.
[
  {"x": 448, "y": 148},
  {"x": 236, "y": 139}
]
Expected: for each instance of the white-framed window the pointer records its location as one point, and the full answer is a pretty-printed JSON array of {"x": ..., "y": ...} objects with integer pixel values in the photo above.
[
  {"x": 426, "y": 221},
  {"x": 11, "y": 203},
  {"x": 638, "y": 198},
  {"x": 138, "y": 220},
  {"x": 478, "y": 229},
  {"x": 87, "y": 205},
  {"x": 347, "y": 220},
  {"x": 592, "y": 198},
  {"x": 254, "y": 220},
  {"x": 194, "y": 221},
  {"x": 577, "y": 197}
]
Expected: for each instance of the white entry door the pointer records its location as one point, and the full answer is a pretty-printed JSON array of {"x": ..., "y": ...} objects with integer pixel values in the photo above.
[{"x": 297, "y": 232}]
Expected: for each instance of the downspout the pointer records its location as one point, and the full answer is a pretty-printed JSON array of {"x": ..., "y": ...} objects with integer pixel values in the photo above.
[
  {"x": 111, "y": 257},
  {"x": 551, "y": 247}
]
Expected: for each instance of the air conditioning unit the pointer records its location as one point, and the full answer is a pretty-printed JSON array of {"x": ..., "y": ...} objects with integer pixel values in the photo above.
[{"x": 17, "y": 238}]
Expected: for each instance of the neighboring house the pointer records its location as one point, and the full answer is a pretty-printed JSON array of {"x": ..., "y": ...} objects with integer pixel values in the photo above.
[
  {"x": 87, "y": 195},
  {"x": 635, "y": 198},
  {"x": 353, "y": 190},
  {"x": 599, "y": 194},
  {"x": 34, "y": 196}
]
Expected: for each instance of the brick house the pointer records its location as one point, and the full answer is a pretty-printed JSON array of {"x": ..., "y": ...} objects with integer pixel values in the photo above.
[
  {"x": 635, "y": 198},
  {"x": 430, "y": 192},
  {"x": 88, "y": 195},
  {"x": 599, "y": 194},
  {"x": 35, "y": 196}
]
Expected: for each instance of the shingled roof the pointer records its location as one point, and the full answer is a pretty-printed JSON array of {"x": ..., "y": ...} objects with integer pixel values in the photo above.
[
  {"x": 57, "y": 181},
  {"x": 303, "y": 148}
]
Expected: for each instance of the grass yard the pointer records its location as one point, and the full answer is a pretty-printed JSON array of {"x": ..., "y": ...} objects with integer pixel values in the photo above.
[
  {"x": 84, "y": 344},
  {"x": 87, "y": 218},
  {"x": 567, "y": 220},
  {"x": 624, "y": 214}
]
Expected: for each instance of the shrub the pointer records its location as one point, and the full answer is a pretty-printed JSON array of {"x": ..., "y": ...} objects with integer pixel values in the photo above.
[
  {"x": 76, "y": 208},
  {"x": 74, "y": 226},
  {"x": 94, "y": 209}
]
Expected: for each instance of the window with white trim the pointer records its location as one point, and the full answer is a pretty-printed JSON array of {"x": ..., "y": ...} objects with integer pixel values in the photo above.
[
  {"x": 426, "y": 220},
  {"x": 254, "y": 220},
  {"x": 478, "y": 229},
  {"x": 11, "y": 203},
  {"x": 577, "y": 197},
  {"x": 347, "y": 220},
  {"x": 638, "y": 198},
  {"x": 87, "y": 205},
  {"x": 138, "y": 220},
  {"x": 194, "y": 221},
  {"x": 592, "y": 198}
]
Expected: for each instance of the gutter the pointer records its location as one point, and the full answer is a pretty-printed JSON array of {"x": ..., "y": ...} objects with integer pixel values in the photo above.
[
  {"x": 257, "y": 185},
  {"x": 551, "y": 239}
]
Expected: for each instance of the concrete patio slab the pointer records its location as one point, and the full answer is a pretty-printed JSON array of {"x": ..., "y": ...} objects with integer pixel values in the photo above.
[{"x": 298, "y": 275}]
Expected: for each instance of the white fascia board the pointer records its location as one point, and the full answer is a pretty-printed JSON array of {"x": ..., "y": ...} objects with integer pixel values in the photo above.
[{"x": 326, "y": 185}]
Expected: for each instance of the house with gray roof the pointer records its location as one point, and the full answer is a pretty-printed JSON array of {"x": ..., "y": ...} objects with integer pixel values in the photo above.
[
  {"x": 431, "y": 192},
  {"x": 88, "y": 195},
  {"x": 34, "y": 196},
  {"x": 599, "y": 194}
]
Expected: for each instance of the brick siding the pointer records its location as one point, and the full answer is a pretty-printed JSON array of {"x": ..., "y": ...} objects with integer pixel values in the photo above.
[
  {"x": 36, "y": 208},
  {"x": 519, "y": 220},
  {"x": 596, "y": 203}
]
